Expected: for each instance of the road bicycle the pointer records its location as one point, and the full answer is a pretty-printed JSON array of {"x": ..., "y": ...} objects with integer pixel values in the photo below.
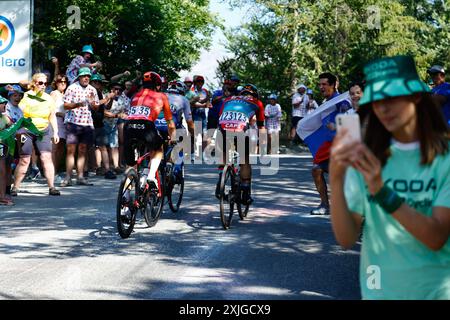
[
  {"x": 136, "y": 194},
  {"x": 174, "y": 182},
  {"x": 230, "y": 193}
]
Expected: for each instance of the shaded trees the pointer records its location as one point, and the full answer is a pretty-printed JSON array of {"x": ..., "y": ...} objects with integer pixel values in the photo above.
[{"x": 140, "y": 34}]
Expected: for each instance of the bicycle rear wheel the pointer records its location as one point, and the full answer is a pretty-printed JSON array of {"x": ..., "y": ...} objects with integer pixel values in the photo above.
[
  {"x": 125, "y": 209},
  {"x": 227, "y": 197},
  {"x": 155, "y": 200},
  {"x": 241, "y": 208},
  {"x": 175, "y": 188}
]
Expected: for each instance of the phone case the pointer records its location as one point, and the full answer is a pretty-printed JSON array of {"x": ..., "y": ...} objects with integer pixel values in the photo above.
[{"x": 350, "y": 122}]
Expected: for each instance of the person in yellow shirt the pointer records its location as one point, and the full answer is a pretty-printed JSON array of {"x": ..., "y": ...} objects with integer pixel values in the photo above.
[{"x": 40, "y": 107}]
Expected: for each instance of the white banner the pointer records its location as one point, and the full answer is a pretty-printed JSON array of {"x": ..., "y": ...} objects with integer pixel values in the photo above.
[{"x": 15, "y": 40}]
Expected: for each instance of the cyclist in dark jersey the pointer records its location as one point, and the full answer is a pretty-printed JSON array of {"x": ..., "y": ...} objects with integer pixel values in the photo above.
[
  {"x": 140, "y": 125},
  {"x": 234, "y": 117}
]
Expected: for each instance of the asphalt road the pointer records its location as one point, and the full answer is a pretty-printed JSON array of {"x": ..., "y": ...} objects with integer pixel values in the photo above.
[{"x": 68, "y": 247}]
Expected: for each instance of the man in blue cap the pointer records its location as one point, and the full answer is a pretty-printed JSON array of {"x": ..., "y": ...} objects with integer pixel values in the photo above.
[
  {"x": 441, "y": 89},
  {"x": 233, "y": 87},
  {"x": 82, "y": 61}
]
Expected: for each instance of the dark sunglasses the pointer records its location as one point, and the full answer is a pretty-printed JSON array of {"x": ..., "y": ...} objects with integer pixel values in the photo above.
[{"x": 41, "y": 83}]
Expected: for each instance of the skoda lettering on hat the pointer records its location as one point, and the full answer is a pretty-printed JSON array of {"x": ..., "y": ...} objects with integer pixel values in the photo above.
[{"x": 391, "y": 77}]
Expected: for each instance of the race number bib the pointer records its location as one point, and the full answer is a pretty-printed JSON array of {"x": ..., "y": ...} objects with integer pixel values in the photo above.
[
  {"x": 233, "y": 121},
  {"x": 233, "y": 116},
  {"x": 139, "y": 111}
]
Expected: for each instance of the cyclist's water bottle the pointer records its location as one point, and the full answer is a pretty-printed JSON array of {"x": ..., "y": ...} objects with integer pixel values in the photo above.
[
  {"x": 169, "y": 166},
  {"x": 180, "y": 159},
  {"x": 178, "y": 162},
  {"x": 144, "y": 176}
]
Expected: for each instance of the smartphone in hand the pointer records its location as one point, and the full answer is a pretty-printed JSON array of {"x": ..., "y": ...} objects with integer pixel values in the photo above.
[{"x": 352, "y": 124}]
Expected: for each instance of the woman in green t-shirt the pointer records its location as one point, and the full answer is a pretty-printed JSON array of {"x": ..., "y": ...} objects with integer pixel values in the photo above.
[
  {"x": 4, "y": 123},
  {"x": 398, "y": 182}
]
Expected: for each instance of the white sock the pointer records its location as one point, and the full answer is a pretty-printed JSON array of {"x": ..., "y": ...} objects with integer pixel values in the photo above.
[{"x": 154, "y": 164}]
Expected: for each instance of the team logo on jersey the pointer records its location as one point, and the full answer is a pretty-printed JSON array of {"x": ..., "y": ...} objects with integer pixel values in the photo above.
[{"x": 7, "y": 35}]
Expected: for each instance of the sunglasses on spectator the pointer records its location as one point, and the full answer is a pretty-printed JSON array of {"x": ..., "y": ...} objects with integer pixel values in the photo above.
[
  {"x": 42, "y": 83},
  {"x": 62, "y": 81}
]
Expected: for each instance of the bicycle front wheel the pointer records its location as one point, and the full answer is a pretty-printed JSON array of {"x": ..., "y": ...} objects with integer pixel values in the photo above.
[
  {"x": 175, "y": 188},
  {"x": 155, "y": 200},
  {"x": 126, "y": 209},
  {"x": 227, "y": 197}
]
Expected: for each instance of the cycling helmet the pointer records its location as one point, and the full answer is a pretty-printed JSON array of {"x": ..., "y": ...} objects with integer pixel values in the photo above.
[
  {"x": 181, "y": 87},
  {"x": 176, "y": 87},
  {"x": 250, "y": 89},
  {"x": 151, "y": 77},
  {"x": 273, "y": 96}
]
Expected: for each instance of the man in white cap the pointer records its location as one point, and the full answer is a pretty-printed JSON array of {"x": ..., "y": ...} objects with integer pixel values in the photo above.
[
  {"x": 299, "y": 102},
  {"x": 441, "y": 89}
]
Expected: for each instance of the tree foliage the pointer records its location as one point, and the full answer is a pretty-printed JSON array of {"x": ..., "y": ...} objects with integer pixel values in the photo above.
[
  {"x": 290, "y": 41},
  {"x": 166, "y": 36}
]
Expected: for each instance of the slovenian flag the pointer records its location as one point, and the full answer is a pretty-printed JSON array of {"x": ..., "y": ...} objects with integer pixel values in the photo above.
[{"x": 313, "y": 128}]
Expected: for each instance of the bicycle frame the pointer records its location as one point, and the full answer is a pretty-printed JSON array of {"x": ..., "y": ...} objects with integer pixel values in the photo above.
[{"x": 139, "y": 161}]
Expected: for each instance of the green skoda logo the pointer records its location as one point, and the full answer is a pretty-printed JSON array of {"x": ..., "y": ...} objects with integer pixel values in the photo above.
[
  {"x": 413, "y": 186},
  {"x": 380, "y": 65}
]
